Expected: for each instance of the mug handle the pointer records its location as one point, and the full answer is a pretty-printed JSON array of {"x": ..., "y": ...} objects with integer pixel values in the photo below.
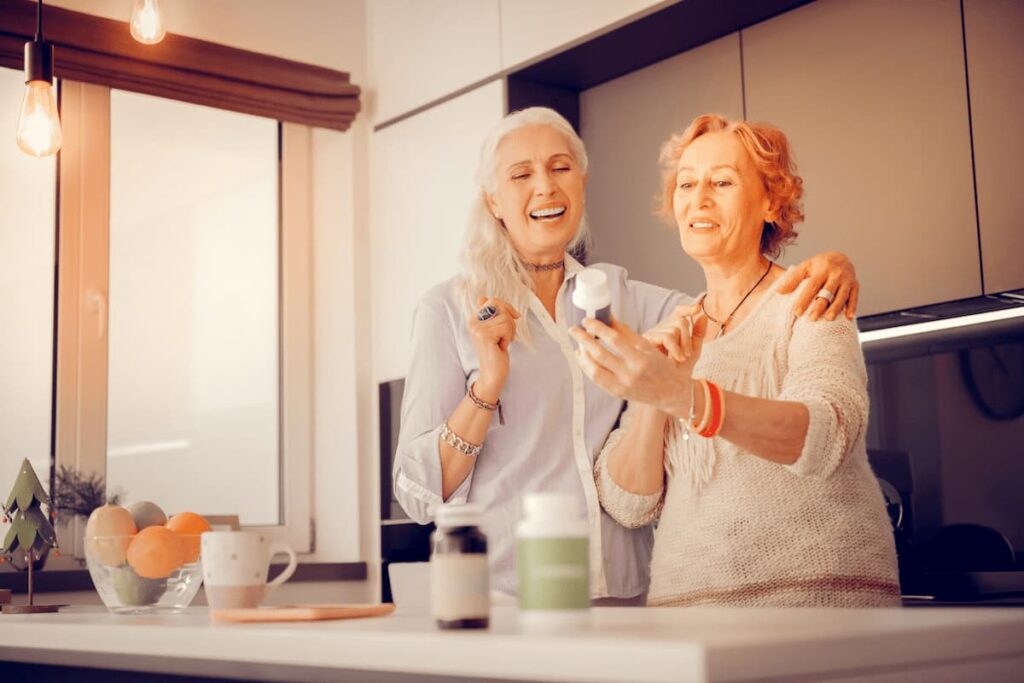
[{"x": 293, "y": 562}]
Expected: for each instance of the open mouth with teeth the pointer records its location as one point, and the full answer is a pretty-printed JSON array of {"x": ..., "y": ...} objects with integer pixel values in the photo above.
[
  {"x": 548, "y": 214},
  {"x": 703, "y": 225}
]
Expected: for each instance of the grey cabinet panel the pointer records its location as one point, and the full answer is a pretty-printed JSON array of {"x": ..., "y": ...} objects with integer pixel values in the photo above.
[
  {"x": 995, "y": 66},
  {"x": 873, "y": 97},
  {"x": 623, "y": 123}
]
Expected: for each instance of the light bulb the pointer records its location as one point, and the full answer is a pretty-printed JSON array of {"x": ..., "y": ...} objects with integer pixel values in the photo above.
[
  {"x": 39, "y": 125},
  {"x": 147, "y": 24}
]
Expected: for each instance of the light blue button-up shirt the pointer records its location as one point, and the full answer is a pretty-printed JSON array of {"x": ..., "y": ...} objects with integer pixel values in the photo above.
[{"x": 556, "y": 421}]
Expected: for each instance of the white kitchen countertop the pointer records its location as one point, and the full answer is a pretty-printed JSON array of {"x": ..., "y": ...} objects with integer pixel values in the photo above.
[{"x": 620, "y": 644}]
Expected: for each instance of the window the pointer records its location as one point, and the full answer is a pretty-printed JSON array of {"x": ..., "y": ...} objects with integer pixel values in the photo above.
[
  {"x": 192, "y": 397},
  {"x": 184, "y": 348}
]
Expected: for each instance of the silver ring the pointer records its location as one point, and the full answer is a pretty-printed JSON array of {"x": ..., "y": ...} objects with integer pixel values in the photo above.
[
  {"x": 825, "y": 294},
  {"x": 486, "y": 313}
]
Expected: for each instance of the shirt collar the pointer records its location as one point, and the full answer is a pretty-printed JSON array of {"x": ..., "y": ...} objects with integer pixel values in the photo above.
[{"x": 572, "y": 266}]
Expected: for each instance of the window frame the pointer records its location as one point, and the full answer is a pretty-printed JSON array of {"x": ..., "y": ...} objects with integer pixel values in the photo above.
[{"x": 83, "y": 238}]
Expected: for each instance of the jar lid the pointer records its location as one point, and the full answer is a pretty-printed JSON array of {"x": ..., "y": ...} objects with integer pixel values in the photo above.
[{"x": 459, "y": 514}]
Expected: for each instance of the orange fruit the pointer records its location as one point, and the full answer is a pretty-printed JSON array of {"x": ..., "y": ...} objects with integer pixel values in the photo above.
[
  {"x": 108, "y": 533},
  {"x": 155, "y": 552},
  {"x": 189, "y": 525}
]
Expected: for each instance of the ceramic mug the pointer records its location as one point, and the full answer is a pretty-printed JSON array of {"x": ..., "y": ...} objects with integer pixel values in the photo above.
[{"x": 235, "y": 565}]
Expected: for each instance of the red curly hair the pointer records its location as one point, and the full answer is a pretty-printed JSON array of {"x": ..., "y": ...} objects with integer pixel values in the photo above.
[{"x": 769, "y": 150}]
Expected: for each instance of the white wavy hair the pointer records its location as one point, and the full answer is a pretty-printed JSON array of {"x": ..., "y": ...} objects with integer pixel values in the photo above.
[{"x": 490, "y": 265}]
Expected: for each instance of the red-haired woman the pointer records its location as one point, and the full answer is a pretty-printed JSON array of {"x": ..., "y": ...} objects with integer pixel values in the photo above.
[{"x": 745, "y": 430}]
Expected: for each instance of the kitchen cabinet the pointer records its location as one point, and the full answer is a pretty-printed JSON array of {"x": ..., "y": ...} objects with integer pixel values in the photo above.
[
  {"x": 424, "y": 50},
  {"x": 873, "y": 97},
  {"x": 995, "y": 68},
  {"x": 624, "y": 129},
  {"x": 530, "y": 28}
]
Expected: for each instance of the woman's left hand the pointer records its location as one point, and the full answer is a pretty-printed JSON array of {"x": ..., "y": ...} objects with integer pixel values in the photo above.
[
  {"x": 632, "y": 368},
  {"x": 830, "y": 271}
]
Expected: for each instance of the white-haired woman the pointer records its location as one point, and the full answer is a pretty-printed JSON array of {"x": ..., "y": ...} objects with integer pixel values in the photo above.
[{"x": 495, "y": 404}]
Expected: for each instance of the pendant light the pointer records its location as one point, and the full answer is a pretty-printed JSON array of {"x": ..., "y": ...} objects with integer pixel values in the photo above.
[
  {"x": 39, "y": 124},
  {"x": 147, "y": 25}
]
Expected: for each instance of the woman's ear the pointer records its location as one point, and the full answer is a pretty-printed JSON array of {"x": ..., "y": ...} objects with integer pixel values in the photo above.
[{"x": 492, "y": 205}]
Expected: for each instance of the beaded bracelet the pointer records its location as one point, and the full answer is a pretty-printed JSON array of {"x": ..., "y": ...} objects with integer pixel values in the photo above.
[
  {"x": 458, "y": 443},
  {"x": 484, "y": 405}
]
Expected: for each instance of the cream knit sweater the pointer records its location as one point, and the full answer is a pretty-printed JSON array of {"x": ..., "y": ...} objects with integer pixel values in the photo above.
[{"x": 736, "y": 529}]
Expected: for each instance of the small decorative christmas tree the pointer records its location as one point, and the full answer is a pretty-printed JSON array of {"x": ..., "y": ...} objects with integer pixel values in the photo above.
[{"x": 31, "y": 530}]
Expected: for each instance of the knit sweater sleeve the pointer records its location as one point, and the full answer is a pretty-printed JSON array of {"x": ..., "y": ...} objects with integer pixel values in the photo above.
[
  {"x": 826, "y": 373},
  {"x": 631, "y": 510}
]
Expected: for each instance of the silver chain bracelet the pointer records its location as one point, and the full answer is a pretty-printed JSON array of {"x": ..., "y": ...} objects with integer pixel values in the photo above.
[{"x": 458, "y": 443}]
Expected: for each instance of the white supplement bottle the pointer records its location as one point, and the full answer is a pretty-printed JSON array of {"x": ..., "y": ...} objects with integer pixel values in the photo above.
[
  {"x": 553, "y": 560},
  {"x": 591, "y": 295}
]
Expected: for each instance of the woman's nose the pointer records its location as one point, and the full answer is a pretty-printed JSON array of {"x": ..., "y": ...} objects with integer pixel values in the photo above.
[
  {"x": 544, "y": 184},
  {"x": 704, "y": 195}
]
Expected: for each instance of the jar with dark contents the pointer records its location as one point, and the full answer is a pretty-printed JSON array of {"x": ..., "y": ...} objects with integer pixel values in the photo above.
[{"x": 459, "y": 581}]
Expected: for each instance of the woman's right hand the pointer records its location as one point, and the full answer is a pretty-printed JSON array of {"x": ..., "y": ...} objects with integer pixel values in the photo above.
[
  {"x": 673, "y": 336},
  {"x": 491, "y": 339}
]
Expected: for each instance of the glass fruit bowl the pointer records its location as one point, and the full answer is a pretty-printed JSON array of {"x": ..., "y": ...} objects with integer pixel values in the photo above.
[{"x": 153, "y": 571}]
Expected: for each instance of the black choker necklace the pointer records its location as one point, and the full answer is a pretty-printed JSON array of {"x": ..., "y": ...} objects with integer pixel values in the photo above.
[
  {"x": 722, "y": 324},
  {"x": 537, "y": 267}
]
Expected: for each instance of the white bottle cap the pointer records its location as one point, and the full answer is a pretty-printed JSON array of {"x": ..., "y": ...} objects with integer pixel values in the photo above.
[
  {"x": 550, "y": 505},
  {"x": 591, "y": 293},
  {"x": 459, "y": 514}
]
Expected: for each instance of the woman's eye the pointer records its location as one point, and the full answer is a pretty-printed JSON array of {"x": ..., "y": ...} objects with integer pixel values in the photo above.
[
  {"x": 723, "y": 183},
  {"x": 686, "y": 185},
  {"x": 562, "y": 168},
  {"x": 520, "y": 176}
]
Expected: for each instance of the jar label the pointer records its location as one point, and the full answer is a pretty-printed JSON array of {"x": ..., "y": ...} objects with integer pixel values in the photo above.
[
  {"x": 460, "y": 588},
  {"x": 554, "y": 573}
]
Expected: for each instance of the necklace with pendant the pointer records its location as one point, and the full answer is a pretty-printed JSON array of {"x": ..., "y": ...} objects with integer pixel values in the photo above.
[{"x": 722, "y": 324}]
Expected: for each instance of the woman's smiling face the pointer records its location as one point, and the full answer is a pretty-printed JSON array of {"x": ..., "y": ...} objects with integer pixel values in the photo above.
[
  {"x": 539, "y": 194},
  {"x": 720, "y": 202}
]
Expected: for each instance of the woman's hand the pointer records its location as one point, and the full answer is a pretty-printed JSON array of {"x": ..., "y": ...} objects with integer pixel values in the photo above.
[
  {"x": 491, "y": 339},
  {"x": 832, "y": 271},
  {"x": 636, "y": 369},
  {"x": 673, "y": 335}
]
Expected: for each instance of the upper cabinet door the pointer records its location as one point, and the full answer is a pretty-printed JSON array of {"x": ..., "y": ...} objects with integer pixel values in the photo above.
[
  {"x": 873, "y": 97},
  {"x": 530, "y": 28},
  {"x": 624, "y": 123},
  {"x": 995, "y": 65},
  {"x": 423, "y": 50}
]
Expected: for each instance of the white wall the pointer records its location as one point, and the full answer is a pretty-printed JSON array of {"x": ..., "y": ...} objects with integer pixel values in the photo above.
[
  {"x": 330, "y": 33},
  {"x": 422, "y": 188},
  {"x": 26, "y": 318}
]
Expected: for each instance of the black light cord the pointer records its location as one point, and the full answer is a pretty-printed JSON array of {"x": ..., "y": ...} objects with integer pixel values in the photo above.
[{"x": 39, "y": 21}]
